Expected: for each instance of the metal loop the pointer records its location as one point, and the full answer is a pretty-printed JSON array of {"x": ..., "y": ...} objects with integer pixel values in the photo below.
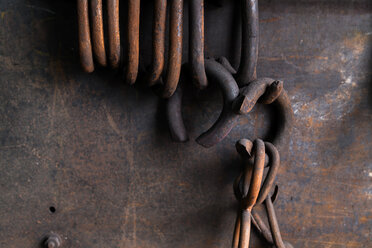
[
  {"x": 243, "y": 190},
  {"x": 196, "y": 48},
  {"x": 249, "y": 48},
  {"x": 175, "y": 48},
  {"x": 113, "y": 32},
  {"x": 85, "y": 45},
  {"x": 97, "y": 32},
  {"x": 247, "y": 188},
  {"x": 263, "y": 90},
  {"x": 133, "y": 41},
  {"x": 274, "y": 163},
  {"x": 158, "y": 41},
  {"x": 216, "y": 73}
]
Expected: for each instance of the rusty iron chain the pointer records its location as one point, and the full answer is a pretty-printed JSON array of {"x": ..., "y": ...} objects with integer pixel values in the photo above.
[{"x": 241, "y": 90}]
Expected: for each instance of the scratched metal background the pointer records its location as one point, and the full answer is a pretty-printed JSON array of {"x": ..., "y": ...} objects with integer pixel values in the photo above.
[{"x": 100, "y": 153}]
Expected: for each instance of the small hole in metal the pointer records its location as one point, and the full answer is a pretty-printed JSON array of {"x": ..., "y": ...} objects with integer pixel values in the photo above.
[{"x": 52, "y": 209}]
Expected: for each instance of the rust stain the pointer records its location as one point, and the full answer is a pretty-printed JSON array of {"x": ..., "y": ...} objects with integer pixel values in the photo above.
[
  {"x": 273, "y": 19},
  {"x": 293, "y": 57}
]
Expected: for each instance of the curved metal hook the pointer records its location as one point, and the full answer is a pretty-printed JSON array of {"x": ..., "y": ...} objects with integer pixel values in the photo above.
[
  {"x": 158, "y": 42},
  {"x": 274, "y": 163},
  {"x": 133, "y": 41},
  {"x": 247, "y": 187},
  {"x": 174, "y": 116},
  {"x": 196, "y": 49},
  {"x": 113, "y": 32},
  {"x": 85, "y": 45},
  {"x": 264, "y": 90},
  {"x": 175, "y": 48},
  {"x": 226, "y": 121},
  {"x": 249, "y": 48},
  {"x": 97, "y": 32}
]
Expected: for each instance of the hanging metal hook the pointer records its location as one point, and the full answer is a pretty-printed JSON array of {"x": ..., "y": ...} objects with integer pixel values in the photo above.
[
  {"x": 263, "y": 90},
  {"x": 97, "y": 32},
  {"x": 196, "y": 44},
  {"x": 85, "y": 45},
  {"x": 175, "y": 48},
  {"x": 246, "y": 189},
  {"x": 158, "y": 41},
  {"x": 113, "y": 32},
  {"x": 133, "y": 41},
  {"x": 249, "y": 48}
]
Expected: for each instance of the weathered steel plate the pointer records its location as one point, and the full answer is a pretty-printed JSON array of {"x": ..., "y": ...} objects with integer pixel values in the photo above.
[{"x": 99, "y": 152}]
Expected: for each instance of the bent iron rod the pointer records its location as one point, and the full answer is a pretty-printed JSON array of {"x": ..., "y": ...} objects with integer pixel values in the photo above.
[
  {"x": 97, "y": 32},
  {"x": 113, "y": 32},
  {"x": 133, "y": 41},
  {"x": 247, "y": 188},
  {"x": 85, "y": 46},
  {"x": 158, "y": 34},
  {"x": 196, "y": 44},
  {"x": 249, "y": 45},
  {"x": 175, "y": 48}
]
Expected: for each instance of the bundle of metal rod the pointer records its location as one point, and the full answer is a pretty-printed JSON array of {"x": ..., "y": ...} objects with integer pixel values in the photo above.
[
  {"x": 91, "y": 33},
  {"x": 249, "y": 192},
  {"x": 92, "y": 42},
  {"x": 196, "y": 52},
  {"x": 173, "y": 72}
]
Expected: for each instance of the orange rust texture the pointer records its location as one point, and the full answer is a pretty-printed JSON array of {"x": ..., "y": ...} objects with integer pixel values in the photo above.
[
  {"x": 99, "y": 152},
  {"x": 133, "y": 41}
]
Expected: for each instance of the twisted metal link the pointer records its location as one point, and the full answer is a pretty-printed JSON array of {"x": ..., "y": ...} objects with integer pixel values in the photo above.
[{"x": 249, "y": 195}]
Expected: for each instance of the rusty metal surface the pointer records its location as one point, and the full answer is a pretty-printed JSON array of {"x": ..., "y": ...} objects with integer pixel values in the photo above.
[
  {"x": 113, "y": 32},
  {"x": 90, "y": 158},
  {"x": 175, "y": 48},
  {"x": 85, "y": 45},
  {"x": 132, "y": 64},
  {"x": 158, "y": 40},
  {"x": 196, "y": 43},
  {"x": 97, "y": 32},
  {"x": 250, "y": 37}
]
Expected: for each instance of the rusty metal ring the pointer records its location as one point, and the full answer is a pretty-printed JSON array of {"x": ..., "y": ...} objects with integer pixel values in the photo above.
[
  {"x": 196, "y": 48},
  {"x": 262, "y": 90},
  {"x": 266, "y": 91},
  {"x": 85, "y": 45},
  {"x": 226, "y": 121},
  {"x": 113, "y": 32},
  {"x": 97, "y": 32},
  {"x": 133, "y": 41},
  {"x": 216, "y": 73}
]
